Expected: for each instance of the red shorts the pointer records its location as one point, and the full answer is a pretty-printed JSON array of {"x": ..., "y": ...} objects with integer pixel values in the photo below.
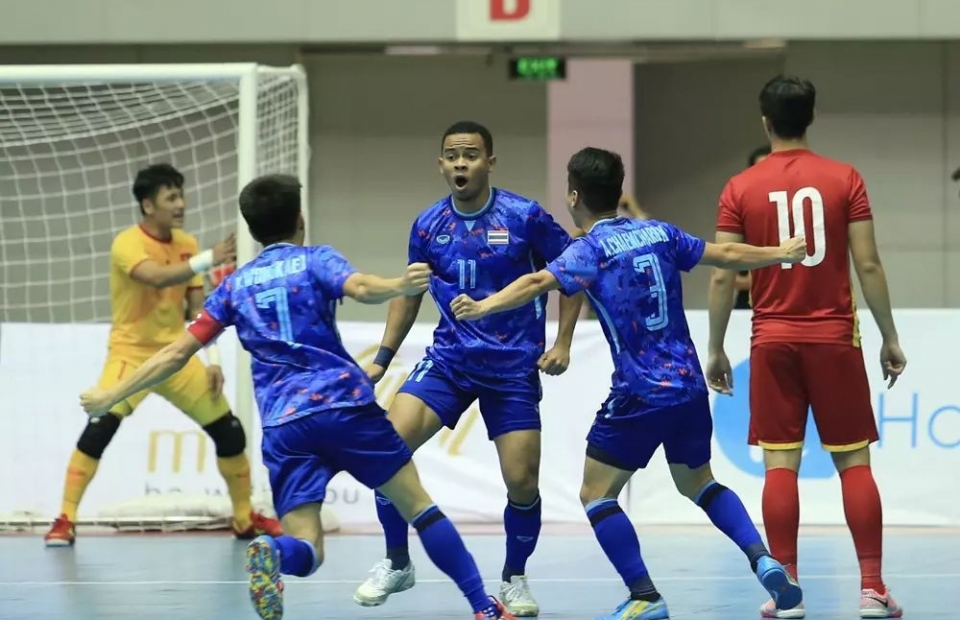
[{"x": 787, "y": 379}]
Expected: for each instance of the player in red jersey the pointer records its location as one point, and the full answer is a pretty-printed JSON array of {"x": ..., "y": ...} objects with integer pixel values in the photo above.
[{"x": 805, "y": 350}]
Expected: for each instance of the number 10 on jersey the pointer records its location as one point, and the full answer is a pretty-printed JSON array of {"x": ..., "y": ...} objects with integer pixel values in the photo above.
[{"x": 785, "y": 204}]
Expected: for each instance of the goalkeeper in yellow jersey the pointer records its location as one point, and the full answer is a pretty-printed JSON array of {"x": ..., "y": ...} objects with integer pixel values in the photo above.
[{"x": 156, "y": 272}]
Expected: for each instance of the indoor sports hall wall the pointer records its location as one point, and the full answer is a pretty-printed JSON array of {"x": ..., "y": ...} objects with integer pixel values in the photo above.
[{"x": 891, "y": 109}]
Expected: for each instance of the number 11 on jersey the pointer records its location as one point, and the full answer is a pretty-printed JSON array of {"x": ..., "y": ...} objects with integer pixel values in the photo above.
[
  {"x": 785, "y": 205},
  {"x": 468, "y": 273}
]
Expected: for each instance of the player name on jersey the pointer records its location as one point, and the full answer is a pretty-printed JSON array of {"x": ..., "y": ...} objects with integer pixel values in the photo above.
[
  {"x": 633, "y": 240},
  {"x": 273, "y": 271}
]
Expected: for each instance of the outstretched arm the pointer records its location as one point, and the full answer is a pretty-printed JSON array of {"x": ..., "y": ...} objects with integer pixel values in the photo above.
[
  {"x": 153, "y": 273},
  {"x": 518, "y": 293},
  {"x": 370, "y": 289},
  {"x": 743, "y": 256},
  {"x": 164, "y": 364}
]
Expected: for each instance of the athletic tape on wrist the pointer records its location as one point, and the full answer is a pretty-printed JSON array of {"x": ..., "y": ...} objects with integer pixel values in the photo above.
[{"x": 202, "y": 262}]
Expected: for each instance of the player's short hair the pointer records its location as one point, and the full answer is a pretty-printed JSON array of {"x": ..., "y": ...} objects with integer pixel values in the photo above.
[
  {"x": 470, "y": 127},
  {"x": 150, "y": 180},
  {"x": 270, "y": 205},
  {"x": 757, "y": 153},
  {"x": 597, "y": 175},
  {"x": 788, "y": 104}
]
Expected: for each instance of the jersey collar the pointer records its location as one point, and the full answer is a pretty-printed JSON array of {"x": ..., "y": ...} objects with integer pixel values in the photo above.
[
  {"x": 604, "y": 222},
  {"x": 478, "y": 214},
  {"x": 282, "y": 244}
]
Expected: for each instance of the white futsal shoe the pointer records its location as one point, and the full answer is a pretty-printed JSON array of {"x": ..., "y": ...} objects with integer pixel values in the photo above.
[
  {"x": 517, "y": 598},
  {"x": 383, "y": 582}
]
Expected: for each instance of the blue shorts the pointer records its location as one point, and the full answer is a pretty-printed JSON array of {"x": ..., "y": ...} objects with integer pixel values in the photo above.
[
  {"x": 626, "y": 437},
  {"x": 506, "y": 404},
  {"x": 303, "y": 455}
]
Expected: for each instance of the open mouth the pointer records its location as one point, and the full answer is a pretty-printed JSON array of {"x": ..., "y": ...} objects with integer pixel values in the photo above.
[{"x": 460, "y": 181}]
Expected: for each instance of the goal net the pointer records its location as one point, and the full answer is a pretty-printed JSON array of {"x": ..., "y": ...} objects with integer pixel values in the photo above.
[{"x": 71, "y": 141}]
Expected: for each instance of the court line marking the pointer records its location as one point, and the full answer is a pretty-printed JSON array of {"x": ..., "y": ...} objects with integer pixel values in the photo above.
[{"x": 324, "y": 582}]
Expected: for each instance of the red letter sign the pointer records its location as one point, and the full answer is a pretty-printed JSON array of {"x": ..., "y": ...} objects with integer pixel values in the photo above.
[{"x": 499, "y": 12}]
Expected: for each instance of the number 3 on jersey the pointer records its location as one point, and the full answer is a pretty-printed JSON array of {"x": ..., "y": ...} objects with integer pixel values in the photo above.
[
  {"x": 649, "y": 265},
  {"x": 785, "y": 205}
]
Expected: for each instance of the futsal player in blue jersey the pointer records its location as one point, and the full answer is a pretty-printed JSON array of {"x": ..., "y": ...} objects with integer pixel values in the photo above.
[
  {"x": 630, "y": 270},
  {"x": 317, "y": 407},
  {"x": 477, "y": 240}
]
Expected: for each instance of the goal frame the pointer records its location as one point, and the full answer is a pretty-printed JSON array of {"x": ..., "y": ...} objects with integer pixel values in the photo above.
[{"x": 247, "y": 75}]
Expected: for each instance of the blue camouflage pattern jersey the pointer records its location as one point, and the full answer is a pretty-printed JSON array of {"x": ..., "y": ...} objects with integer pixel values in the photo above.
[
  {"x": 478, "y": 254},
  {"x": 283, "y": 305},
  {"x": 630, "y": 270}
]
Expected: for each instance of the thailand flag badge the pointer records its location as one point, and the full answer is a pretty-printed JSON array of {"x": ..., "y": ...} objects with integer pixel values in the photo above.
[{"x": 498, "y": 237}]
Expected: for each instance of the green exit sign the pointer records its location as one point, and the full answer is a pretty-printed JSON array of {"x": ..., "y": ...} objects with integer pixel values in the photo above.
[{"x": 538, "y": 68}]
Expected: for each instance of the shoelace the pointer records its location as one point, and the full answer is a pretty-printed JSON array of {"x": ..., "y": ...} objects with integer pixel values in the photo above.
[
  {"x": 515, "y": 589},
  {"x": 381, "y": 573}
]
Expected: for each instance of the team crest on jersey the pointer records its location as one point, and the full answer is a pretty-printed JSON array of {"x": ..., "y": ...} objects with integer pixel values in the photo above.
[
  {"x": 498, "y": 237},
  {"x": 443, "y": 239}
]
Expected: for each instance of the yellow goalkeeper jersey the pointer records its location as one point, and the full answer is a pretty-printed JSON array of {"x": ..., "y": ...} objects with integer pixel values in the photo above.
[{"x": 146, "y": 318}]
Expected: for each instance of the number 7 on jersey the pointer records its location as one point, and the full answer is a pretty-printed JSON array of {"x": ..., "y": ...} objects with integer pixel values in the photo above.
[
  {"x": 785, "y": 204},
  {"x": 277, "y": 298}
]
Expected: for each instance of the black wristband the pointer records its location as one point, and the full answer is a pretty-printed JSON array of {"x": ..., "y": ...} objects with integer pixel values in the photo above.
[{"x": 384, "y": 357}]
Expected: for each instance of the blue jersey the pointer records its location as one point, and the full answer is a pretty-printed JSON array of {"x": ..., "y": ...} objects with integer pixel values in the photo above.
[
  {"x": 478, "y": 254},
  {"x": 283, "y": 306},
  {"x": 630, "y": 270}
]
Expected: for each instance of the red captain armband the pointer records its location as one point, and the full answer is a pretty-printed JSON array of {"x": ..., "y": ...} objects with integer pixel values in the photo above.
[{"x": 205, "y": 328}]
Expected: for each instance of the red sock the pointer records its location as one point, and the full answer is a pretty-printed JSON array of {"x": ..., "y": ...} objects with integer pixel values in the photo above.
[
  {"x": 781, "y": 516},
  {"x": 861, "y": 505}
]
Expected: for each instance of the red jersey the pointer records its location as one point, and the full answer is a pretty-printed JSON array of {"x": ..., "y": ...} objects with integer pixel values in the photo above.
[{"x": 793, "y": 193}]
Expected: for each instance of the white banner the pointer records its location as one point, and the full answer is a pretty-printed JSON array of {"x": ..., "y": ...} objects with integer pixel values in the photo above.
[{"x": 160, "y": 453}]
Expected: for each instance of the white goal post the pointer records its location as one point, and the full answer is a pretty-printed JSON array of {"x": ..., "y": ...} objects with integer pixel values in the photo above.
[{"x": 71, "y": 140}]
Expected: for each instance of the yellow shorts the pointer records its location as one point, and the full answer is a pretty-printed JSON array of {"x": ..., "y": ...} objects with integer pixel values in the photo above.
[{"x": 187, "y": 390}]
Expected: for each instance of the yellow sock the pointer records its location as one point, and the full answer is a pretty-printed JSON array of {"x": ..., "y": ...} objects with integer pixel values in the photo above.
[
  {"x": 236, "y": 473},
  {"x": 80, "y": 472}
]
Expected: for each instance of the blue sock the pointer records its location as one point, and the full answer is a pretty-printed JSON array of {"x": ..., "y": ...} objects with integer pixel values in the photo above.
[
  {"x": 619, "y": 541},
  {"x": 445, "y": 548},
  {"x": 522, "y": 526},
  {"x": 297, "y": 556},
  {"x": 727, "y": 512},
  {"x": 396, "y": 531}
]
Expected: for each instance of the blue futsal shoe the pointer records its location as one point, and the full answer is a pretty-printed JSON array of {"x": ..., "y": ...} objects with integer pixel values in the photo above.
[
  {"x": 263, "y": 570},
  {"x": 639, "y": 610},
  {"x": 783, "y": 589}
]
